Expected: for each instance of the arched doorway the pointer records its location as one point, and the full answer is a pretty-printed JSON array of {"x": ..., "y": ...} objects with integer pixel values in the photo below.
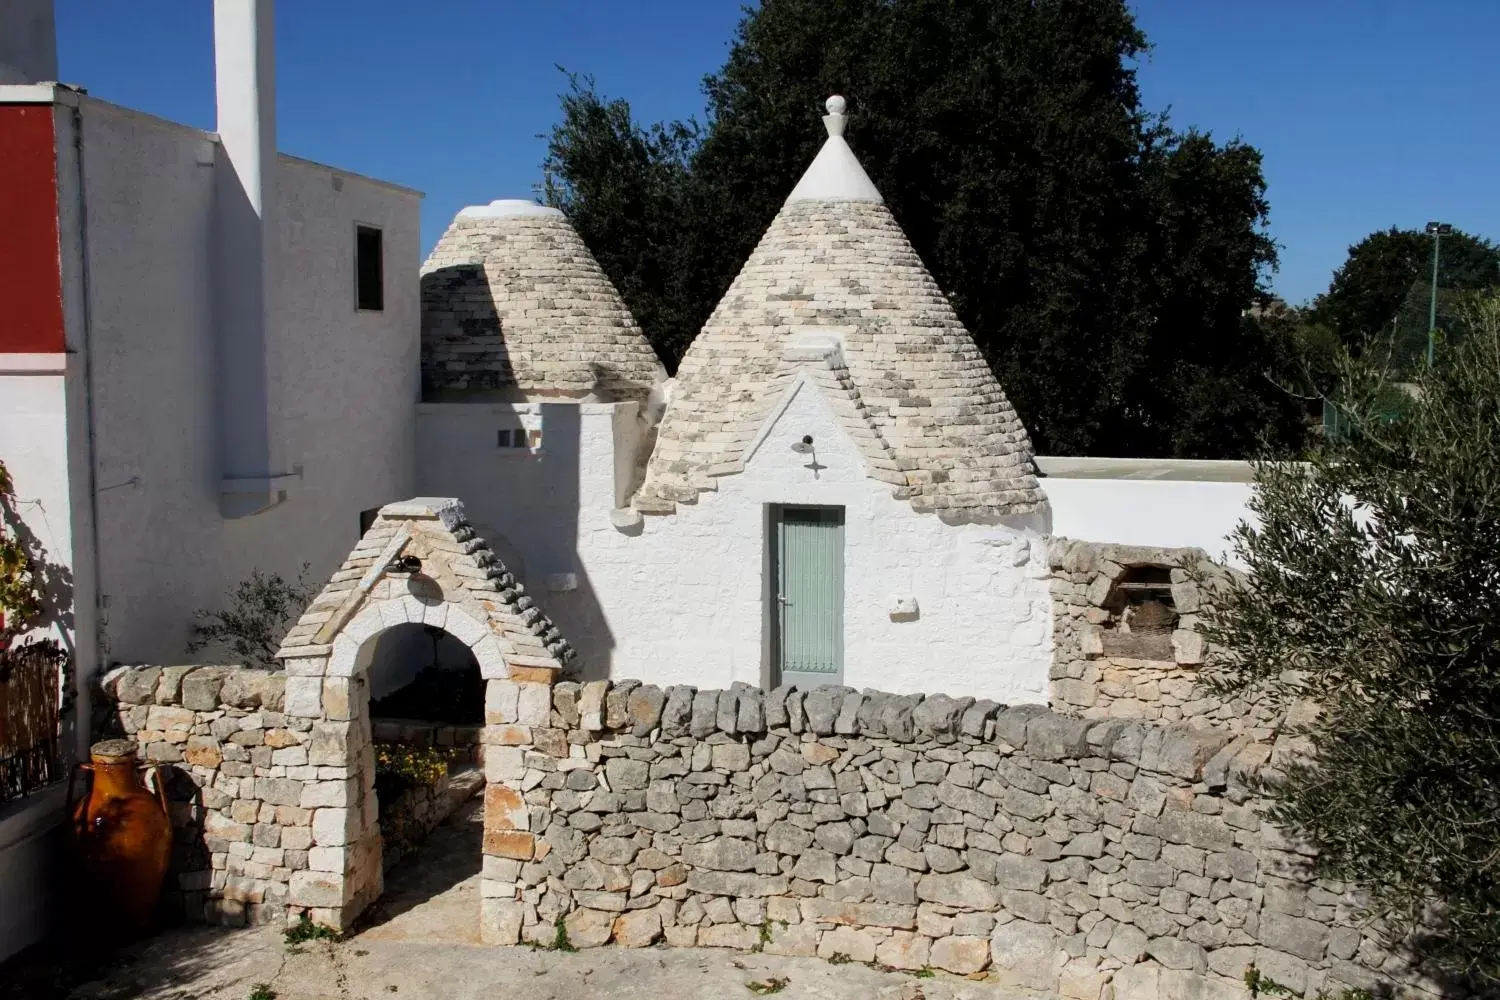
[{"x": 419, "y": 564}]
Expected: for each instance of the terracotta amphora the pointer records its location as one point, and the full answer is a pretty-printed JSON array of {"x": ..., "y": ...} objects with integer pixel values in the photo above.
[{"x": 122, "y": 841}]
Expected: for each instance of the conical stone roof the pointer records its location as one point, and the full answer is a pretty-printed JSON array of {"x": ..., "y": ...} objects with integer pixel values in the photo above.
[
  {"x": 514, "y": 305},
  {"x": 835, "y": 263}
]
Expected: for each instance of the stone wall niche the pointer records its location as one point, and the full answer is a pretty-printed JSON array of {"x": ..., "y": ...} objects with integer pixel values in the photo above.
[{"x": 1126, "y": 635}]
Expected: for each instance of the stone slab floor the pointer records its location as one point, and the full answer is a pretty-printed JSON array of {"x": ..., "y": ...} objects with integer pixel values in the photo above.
[{"x": 422, "y": 944}]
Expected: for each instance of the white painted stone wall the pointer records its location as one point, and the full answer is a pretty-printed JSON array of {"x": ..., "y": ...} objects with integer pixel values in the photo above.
[
  {"x": 343, "y": 382},
  {"x": 681, "y": 599},
  {"x": 34, "y": 448},
  {"x": 28, "y": 41},
  {"x": 1165, "y": 512}
]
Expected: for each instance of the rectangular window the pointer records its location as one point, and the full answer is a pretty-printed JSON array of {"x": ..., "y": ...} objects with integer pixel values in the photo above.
[
  {"x": 503, "y": 439},
  {"x": 369, "y": 268}
]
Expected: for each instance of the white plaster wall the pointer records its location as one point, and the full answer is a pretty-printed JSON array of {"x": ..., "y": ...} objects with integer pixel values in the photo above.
[
  {"x": 34, "y": 448},
  {"x": 28, "y": 41},
  {"x": 681, "y": 600},
  {"x": 343, "y": 382},
  {"x": 1157, "y": 512}
]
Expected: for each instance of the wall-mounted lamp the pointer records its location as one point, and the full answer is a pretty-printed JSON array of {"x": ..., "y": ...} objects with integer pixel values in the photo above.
[
  {"x": 405, "y": 564},
  {"x": 804, "y": 446}
]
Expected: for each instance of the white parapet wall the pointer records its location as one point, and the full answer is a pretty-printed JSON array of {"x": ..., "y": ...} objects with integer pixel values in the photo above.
[{"x": 1165, "y": 503}]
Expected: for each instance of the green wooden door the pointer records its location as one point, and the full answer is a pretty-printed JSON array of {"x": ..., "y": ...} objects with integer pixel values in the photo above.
[{"x": 808, "y": 603}]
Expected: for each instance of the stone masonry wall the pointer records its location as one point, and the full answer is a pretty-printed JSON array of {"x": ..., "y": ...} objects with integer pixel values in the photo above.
[
  {"x": 247, "y": 782},
  {"x": 1057, "y": 853},
  {"x": 1097, "y": 677}
]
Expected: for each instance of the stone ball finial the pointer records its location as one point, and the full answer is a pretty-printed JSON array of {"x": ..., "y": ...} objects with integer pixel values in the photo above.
[{"x": 834, "y": 120}]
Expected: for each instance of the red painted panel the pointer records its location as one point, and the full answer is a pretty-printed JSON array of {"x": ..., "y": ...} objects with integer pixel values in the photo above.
[{"x": 31, "y": 316}]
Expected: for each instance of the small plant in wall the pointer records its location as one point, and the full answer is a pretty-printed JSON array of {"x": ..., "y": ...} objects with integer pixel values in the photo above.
[{"x": 261, "y": 609}]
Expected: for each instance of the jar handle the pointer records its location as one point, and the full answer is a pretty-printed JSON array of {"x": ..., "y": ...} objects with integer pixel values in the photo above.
[{"x": 154, "y": 772}]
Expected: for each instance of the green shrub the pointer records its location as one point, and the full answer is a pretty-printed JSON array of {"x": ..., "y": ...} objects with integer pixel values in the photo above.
[{"x": 262, "y": 609}]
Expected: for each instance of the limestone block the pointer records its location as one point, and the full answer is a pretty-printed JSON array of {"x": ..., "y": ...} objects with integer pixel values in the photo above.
[
  {"x": 334, "y": 826},
  {"x": 645, "y": 705},
  {"x": 510, "y": 844},
  {"x": 319, "y": 794},
  {"x": 961, "y": 955},
  {"x": 320, "y": 889},
  {"x": 591, "y": 705},
  {"x": 332, "y": 743},
  {"x": 1081, "y": 979},
  {"x": 1027, "y": 954},
  {"x": 793, "y": 939},
  {"x": 138, "y": 686},
  {"x": 504, "y": 809},
  {"x": 637, "y": 929},
  {"x": 857, "y": 944},
  {"x": 304, "y": 697},
  {"x": 1180, "y": 985},
  {"x": 829, "y": 911},
  {"x": 500, "y": 921},
  {"x": 200, "y": 688},
  {"x": 589, "y": 928},
  {"x": 533, "y": 704}
]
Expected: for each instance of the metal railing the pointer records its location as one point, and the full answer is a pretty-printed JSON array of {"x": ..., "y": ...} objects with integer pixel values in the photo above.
[{"x": 31, "y": 679}]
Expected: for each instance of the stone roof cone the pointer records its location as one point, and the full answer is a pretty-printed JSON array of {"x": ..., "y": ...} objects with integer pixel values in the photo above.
[
  {"x": 932, "y": 419},
  {"x": 515, "y": 306}
]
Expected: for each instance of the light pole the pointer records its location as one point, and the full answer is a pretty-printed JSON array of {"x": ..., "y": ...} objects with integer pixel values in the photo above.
[{"x": 1437, "y": 230}]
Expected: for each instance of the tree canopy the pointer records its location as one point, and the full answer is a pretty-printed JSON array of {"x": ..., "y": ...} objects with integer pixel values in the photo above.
[
  {"x": 1102, "y": 260},
  {"x": 1383, "y": 289}
]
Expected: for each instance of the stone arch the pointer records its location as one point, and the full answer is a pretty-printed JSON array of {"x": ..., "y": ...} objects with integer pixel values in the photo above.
[
  {"x": 380, "y": 616},
  {"x": 419, "y": 562}
]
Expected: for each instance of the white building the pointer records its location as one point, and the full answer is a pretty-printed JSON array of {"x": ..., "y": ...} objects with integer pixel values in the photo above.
[
  {"x": 838, "y": 489},
  {"x": 207, "y": 362},
  {"x": 216, "y": 358}
]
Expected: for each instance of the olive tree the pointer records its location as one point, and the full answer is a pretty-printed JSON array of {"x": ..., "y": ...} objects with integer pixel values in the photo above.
[{"x": 1373, "y": 593}]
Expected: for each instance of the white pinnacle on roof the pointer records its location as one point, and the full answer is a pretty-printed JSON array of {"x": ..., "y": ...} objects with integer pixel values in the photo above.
[
  {"x": 835, "y": 174},
  {"x": 908, "y": 383},
  {"x": 510, "y": 208},
  {"x": 513, "y": 303}
]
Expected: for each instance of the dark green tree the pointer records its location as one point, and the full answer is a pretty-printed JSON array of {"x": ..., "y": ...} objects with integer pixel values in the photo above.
[
  {"x": 1372, "y": 595},
  {"x": 1383, "y": 290},
  {"x": 1101, "y": 260},
  {"x": 627, "y": 191}
]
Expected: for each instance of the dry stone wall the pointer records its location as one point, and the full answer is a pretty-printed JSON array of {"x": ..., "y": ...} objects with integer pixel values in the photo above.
[
  {"x": 1058, "y": 853},
  {"x": 254, "y": 790}
]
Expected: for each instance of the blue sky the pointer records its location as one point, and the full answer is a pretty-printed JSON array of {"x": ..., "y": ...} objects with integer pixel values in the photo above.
[{"x": 1369, "y": 112}]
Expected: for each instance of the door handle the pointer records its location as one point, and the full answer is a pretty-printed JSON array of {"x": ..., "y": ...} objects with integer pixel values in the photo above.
[{"x": 782, "y": 599}]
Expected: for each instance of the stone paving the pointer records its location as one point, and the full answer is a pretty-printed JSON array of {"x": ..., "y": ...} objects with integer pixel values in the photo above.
[{"x": 216, "y": 964}]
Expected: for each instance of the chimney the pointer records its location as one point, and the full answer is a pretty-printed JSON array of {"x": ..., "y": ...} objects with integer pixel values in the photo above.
[
  {"x": 245, "y": 239},
  {"x": 28, "y": 41}
]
